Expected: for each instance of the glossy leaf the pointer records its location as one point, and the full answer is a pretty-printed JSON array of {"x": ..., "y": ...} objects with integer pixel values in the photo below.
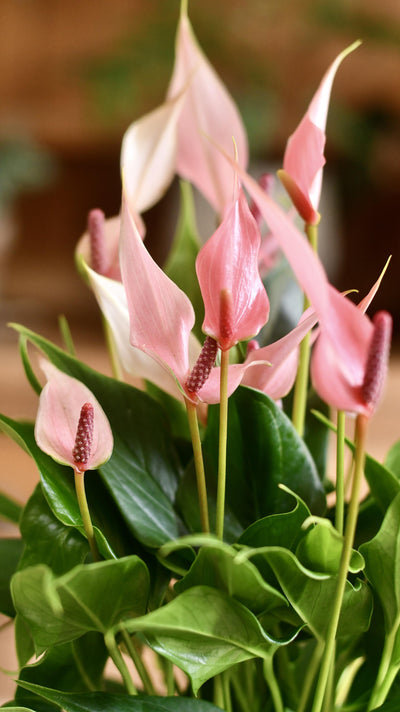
[
  {"x": 77, "y": 667},
  {"x": 264, "y": 451},
  {"x": 218, "y": 566},
  {"x": 10, "y": 554},
  {"x": 382, "y": 564},
  {"x": 392, "y": 460},
  {"x": 92, "y": 597},
  {"x": 304, "y": 587},
  {"x": 94, "y": 701},
  {"x": 321, "y": 550},
  {"x": 203, "y": 631},
  {"x": 47, "y": 540},
  {"x": 57, "y": 482}
]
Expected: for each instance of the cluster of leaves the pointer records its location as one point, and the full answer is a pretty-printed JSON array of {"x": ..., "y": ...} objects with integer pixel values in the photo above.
[{"x": 254, "y": 607}]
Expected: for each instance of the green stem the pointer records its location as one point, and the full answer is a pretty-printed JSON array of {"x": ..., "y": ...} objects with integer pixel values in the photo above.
[
  {"x": 327, "y": 659},
  {"x": 120, "y": 663},
  {"x": 218, "y": 692},
  {"x": 139, "y": 665},
  {"x": 312, "y": 670},
  {"x": 66, "y": 335},
  {"x": 116, "y": 367},
  {"x": 226, "y": 691},
  {"x": 386, "y": 674},
  {"x": 272, "y": 683},
  {"x": 85, "y": 514},
  {"x": 198, "y": 464},
  {"x": 301, "y": 385},
  {"x": 340, "y": 474},
  {"x": 223, "y": 435},
  {"x": 169, "y": 678}
]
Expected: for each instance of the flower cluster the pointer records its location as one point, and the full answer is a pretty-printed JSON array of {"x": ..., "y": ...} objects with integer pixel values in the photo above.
[{"x": 194, "y": 550}]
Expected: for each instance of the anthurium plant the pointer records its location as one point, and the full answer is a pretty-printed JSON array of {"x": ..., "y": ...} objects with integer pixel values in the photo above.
[{"x": 188, "y": 549}]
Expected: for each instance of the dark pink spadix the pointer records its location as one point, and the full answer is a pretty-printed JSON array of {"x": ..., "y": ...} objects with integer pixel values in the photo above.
[
  {"x": 377, "y": 359},
  {"x": 84, "y": 436},
  {"x": 98, "y": 250},
  {"x": 202, "y": 367}
]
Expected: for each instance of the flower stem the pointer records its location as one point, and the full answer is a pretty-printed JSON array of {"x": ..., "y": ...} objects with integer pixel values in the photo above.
[
  {"x": 340, "y": 475},
  {"x": 120, "y": 663},
  {"x": 386, "y": 672},
  {"x": 223, "y": 435},
  {"x": 301, "y": 385},
  {"x": 272, "y": 683},
  {"x": 85, "y": 514},
  {"x": 327, "y": 659},
  {"x": 139, "y": 665},
  {"x": 112, "y": 351},
  {"x": 198, "y": 464},
  {"x": 310, "y": 675}
]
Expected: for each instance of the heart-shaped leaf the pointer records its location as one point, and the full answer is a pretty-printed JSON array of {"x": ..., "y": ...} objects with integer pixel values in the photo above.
[
  {"x": 95, "y": 701},
  {"x": 203, "y": 631},
  {"x": 91, "y": 597}
]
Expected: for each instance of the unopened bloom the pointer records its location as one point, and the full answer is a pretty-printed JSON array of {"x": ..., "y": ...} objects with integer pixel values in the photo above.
[
  {"x": 208, "y": 111},
  {"x": 304, "y": 156},
  {"x": 67, "y": 413},
  {"x": 235, "y": 300}
]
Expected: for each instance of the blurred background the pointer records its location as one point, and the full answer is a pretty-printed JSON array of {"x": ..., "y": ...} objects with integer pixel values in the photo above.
[{"x": 74, "y": 75}]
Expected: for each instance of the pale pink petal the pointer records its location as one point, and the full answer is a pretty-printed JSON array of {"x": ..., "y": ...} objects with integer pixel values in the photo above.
[
  {"x": 304, "y": 155},
  {"x": 210, "y": 392},
  {"x": 112, "y": 301},
  {"x": 340, "y": 354},
  {"x": 57, "y": 419},
  {"x": 364, "y": 304},
  {"x": 148, "y": 155},
  {"x": 277, "y": 379},
  {"x": 161, "y": 315},
  {"x": 208, "y": 110},
  {"x": 229, "y": 261},
  {"x": 305, "y": 264}
]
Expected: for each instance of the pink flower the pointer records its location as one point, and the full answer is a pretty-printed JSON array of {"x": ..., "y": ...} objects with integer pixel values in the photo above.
[
  {"x": 64, "y": 404},
  {"x": 235, "y": 300},
  {"x": 304, "y": 156},
  {"x": 208, "y": 111}
]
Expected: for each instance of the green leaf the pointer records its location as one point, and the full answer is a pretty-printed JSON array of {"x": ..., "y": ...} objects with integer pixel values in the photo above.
[
  {"x": 312, "y": 595},
  {"x": 264, "y": 450},
  {"x": 76, "y": 666},
  {"x": 9, "y": 509},
  {"x": 180, "y": 265},
  {"x": 10, "y": 553},
  {"x": 203, "y": 631},
  {"x": 143, "y": 472},
  {"x": 91, "y": 597},
  {"x": 383, "y": 484},
  {"x": 218, "y": 566},
  {"x": 47, "y": 540},
  {"x": 95, "y": 701},
  {"x": 321, "y": 549},
  {"x": 392, "y": 461},
  {"x": 57, "y": 481},
  {"x": 16, "y": 709},
  {"x": 382, "y": 564},
  {"x": 283, "y": 530}
]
